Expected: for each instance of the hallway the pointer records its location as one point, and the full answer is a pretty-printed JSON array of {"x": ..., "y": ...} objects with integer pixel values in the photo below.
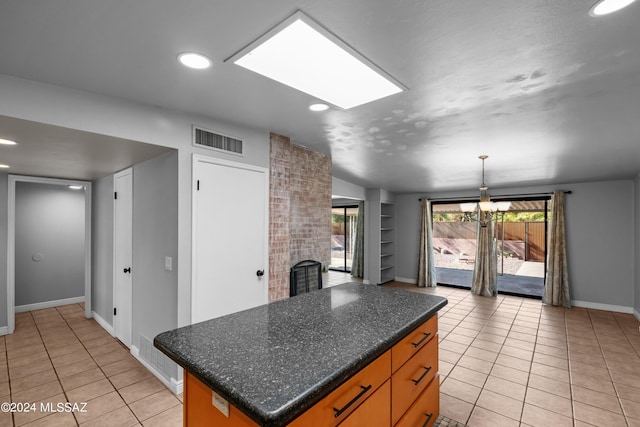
[{"x": 56, "y": 355}]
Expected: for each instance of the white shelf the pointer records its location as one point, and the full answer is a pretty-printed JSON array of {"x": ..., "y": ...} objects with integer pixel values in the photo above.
[{"x": 387, "y": 267}]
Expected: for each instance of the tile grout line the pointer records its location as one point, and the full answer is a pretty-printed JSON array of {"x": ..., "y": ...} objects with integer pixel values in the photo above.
[{"x": 104, "y": 373}]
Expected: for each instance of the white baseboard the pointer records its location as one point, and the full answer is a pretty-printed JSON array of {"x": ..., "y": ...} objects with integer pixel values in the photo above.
[
  {"x": 175, "y": 386},
  {"x": 637, "y": 314},
  {"x": 105, "y": 325},
  {"x": 406, "y": 280},
  {"x": 366, "y": 282},
  {"x": 598, "y": 306},
  {"x": 48, "y": 304},
  {"x": 4, "y": 330}
]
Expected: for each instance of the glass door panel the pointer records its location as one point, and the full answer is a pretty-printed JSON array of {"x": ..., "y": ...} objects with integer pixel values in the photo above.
[
  {"x": 343, "y": 232},
  {"x": 520, "y": 234},
  {"x": 454, "y": 242},
  {"x": 351, "y": 215},
  {"x": 338, "y": 241}
]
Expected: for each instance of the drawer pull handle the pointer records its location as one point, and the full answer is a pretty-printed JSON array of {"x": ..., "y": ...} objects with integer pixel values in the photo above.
[
  {"x": 417, "y": 344},
  {"x": 339, "y": 412},
  {"x": 428, "y": 419},
  {"x": 424, "y": 374}
]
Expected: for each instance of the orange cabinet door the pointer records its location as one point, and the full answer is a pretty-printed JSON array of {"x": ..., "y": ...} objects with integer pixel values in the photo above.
[
  {"x": 341, "y": 402},
  {"x": 199, "y": 410},
  {"x": 374, "y": 412}
]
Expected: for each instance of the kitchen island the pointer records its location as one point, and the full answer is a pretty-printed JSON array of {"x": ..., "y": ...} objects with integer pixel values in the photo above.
[{"x": 351, "y": 354}]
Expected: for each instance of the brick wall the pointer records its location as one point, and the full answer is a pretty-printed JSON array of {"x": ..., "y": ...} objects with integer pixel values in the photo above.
[{"x": 299, "y": 211}]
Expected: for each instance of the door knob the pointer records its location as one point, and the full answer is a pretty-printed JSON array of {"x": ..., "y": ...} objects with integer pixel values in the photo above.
[
  {"x": 260, "y": 273},
  {"x": 127, "y": 270}
]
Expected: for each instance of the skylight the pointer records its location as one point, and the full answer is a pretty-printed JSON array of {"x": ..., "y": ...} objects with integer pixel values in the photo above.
[{"x": 302, "y": 54}]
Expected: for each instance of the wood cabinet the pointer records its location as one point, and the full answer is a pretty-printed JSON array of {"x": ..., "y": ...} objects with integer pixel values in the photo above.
[
  {"x": 400, "y": 388},
  {"x": 347, "y": 398}
]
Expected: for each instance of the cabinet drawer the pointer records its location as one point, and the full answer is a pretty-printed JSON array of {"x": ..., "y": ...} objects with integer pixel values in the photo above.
[
  {"x": 374, "y": 412},
  {"x": 409, "y": 381},
  {"x": 337, "y": 406},
  {"x": 425, "y": 410},
  {"x": 412, "y": 343}
]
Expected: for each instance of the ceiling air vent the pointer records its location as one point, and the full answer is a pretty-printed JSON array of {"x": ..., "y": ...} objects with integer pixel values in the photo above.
[{"x": 207, "y": 139}]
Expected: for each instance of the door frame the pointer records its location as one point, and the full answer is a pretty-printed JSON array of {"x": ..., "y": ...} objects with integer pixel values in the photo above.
[
  {"x": 11, "y": 242},
  {"x": 199, "y": 158},
  {"x": 116, "y": 270},
  {"x": 344, "y": 208}
]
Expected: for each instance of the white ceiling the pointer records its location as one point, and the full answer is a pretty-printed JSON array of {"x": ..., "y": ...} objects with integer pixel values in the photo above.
[{"x": 551, "y": 94}]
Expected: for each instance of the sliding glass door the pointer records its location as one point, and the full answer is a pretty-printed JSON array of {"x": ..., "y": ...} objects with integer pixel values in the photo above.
[
  {"x": 520, "y": 236},
  {"x": 343, "y": 231}
]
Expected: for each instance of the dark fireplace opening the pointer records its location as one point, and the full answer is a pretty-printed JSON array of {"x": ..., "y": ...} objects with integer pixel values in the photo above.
[{"x": 306, "y": 276}]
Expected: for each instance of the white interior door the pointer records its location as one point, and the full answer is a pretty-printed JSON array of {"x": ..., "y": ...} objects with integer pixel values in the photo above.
[
  {"x": 122, "y": 257},
  {"x": 230, "y": 235}
]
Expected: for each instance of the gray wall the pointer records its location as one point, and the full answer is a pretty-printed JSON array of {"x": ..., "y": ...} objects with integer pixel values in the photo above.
[
  {"x": 155, "y": 236},
  {"x": 102, "y": 249},
  {"x": 4, "y": 182},
  {"x": 49, "y": 223},
  {"x": 600, "y": 238}
]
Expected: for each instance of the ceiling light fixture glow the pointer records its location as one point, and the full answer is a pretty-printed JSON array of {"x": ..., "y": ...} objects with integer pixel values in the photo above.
[
  {"x": 2, "y": 166},
  {"x": 194, "y": 60},
  {"x": 605, "y": 7},
  {"x": 302, "y": 54},
  {"x": 318, "y": 107},
  {"x": 76, "y": 187},
  {"x": 7, "y": 142}
]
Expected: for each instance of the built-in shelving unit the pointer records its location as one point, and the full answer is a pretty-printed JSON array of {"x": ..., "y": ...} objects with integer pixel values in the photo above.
[
  {"x": 380, "y": 238},
  {"x": 387, "y": 236}
]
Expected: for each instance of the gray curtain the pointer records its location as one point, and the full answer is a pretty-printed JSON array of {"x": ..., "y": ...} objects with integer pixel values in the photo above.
[
  {"x": 556, "y": 284},
  {"x": 357, "y": 264},
  {"x": 485, "y": 272},
  {"x": 426, "y": 264}
]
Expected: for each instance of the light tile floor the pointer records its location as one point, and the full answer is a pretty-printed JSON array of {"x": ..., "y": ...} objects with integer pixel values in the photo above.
[
  {"x": 510, "y": 361},
  {"x": 503, "y": 361},
  {"x": 56, "y": 355}
]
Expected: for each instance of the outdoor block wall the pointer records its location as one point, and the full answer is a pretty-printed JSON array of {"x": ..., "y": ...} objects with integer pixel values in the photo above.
[{"x": 299, "y": 211}]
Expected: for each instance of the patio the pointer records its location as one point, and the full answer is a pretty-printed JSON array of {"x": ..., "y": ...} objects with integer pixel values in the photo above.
[{"x": 528, "y": 280}]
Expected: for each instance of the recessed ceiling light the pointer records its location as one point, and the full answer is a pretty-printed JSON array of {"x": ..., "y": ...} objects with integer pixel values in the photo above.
[
  {"x": 7, "y": 142},
  {"x": 604, "y": 7},
  {"x": 76, "y": 187},
  {"x": 4, "y": 166},
  {"x": 194, "y": 60},
  {"x": 318, "y": 107},
  {"x": 302, "y": 54}
]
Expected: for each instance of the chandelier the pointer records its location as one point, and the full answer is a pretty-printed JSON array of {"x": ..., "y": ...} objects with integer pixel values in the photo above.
[
  {"x": 486, "y": 205},
  {"x": 485, "y": 201}
]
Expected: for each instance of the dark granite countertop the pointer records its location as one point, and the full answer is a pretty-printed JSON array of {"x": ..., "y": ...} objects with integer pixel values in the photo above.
[{"x": 275, "y": 361}]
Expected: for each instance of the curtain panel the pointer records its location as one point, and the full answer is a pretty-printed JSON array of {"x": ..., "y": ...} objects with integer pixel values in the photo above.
[
  {"x": 485, "y": 271},
  {"x": 556, "y": 283},
  {"x": 357, "y": 264},
  {"x": 426, "y": 263}
]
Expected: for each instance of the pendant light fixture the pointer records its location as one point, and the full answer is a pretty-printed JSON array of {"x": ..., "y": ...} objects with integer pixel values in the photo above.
[{"x": 485, "y": 200}]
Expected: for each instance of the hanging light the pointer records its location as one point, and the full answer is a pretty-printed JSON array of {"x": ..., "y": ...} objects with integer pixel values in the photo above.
[{"x": 485, "y": 201}]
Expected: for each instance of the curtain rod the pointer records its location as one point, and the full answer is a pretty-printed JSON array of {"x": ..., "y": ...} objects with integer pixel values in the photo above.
[{"x": 505, "y": 196}]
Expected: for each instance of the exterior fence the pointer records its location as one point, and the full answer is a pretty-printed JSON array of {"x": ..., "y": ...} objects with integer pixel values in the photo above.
[{"x": 531, "y": 233}]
